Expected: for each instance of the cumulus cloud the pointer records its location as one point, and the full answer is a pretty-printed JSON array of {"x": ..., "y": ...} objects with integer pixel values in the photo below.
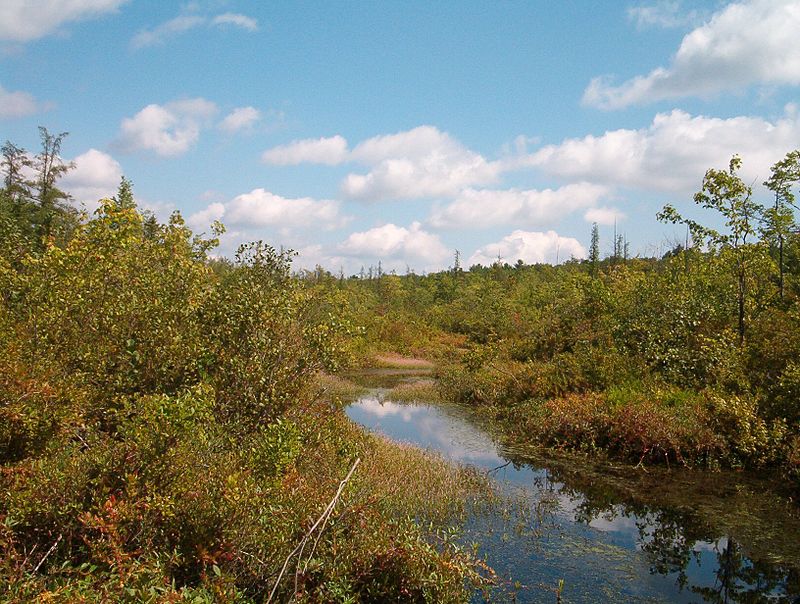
[
  {"x": 200, "y": 221},
  {"x": 168, "y": 130},
  {"x": 481, "y": 208},
  {"x": 417, "y": 163},
  {"x": 391, "y": 242},
  {"x": 26, "y": 20},
  {"x": 183, "y": 23},
  {"x": 673, "y": 152},
  {"x": 751, "y": 42},
  {"x": 605, "y": 216},
  {"x": 240, "y": 119},
  {"x": 18, "y": 104},
  {"x": 531, "y": 247},
  {"x": 96, "y": 175},
  {"x": 422, "y": 162},
  {"x": 260, "y": 208},
  {"x": 329, "y": 151}
]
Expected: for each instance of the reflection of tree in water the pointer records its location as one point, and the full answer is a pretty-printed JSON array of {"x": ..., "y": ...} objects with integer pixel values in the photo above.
[
  {"x": 670, "y": 536},
  {"x": 739, "y": 579},
  {"x": 668, "y": 546},
  {"x": 670, "y": 549}
]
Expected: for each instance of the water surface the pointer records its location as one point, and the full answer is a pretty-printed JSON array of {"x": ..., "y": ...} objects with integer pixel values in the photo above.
[{"x": 612, "y": 533}]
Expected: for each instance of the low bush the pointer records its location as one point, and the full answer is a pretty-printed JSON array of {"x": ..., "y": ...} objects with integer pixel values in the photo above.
[{"x": 166, "y": 435}]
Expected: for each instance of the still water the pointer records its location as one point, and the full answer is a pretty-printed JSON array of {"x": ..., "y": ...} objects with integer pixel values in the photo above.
[{"x": 612, "y": 533}]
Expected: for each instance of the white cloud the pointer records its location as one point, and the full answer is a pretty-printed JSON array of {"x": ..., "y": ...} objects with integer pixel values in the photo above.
[
  {"x": 422, "y": 162},
  {"x": 239, "y": 119},
  {"x": 311, "y": 256},
  {"x": 411, "y": 245},
  {"x": 25, "y": 20},
  {"x": 200, "y": 221},
  {"x": 520, "y": 144},
  {"x": 96, "y": 175},
  {"x": 673, "y": 153},
  {"x": 241, "y": 21},
  {"x": 328, "y": 151},
  {"x": 168, "y": 130},
  {"x": 531, "y": 247},
  {"x": 751, "y": 42},
  {"x": 18, "y": 104},
  {"x": 183, "y": 23},
  {"x": 417, "y": 163},
  {"x": 605, "y": 216},
  {"x": 260, "y": 208},
  {"x": 485, "y": 207},
  {"x": 168, "y": 29},
  {"x": 663, "y": 13}
]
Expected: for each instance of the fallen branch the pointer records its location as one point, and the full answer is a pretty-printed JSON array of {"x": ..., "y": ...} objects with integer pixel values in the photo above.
[
  {"x": 500, "y": 467},
  {"x": 322, "y": 520},
  {"x": 50, "y": 551}
]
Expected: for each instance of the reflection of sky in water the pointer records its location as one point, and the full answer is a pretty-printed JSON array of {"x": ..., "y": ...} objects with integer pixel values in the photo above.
[
  {"x": 601, "y": 561},
  {"x": 427, "y": 427},
  {"x": 454, "y": 437}
]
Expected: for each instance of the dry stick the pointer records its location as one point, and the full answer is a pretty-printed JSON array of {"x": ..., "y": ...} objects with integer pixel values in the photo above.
[
  {"x": 319, "y": 535},
  {"x": 50, "y": 551},
  {"x": 256, "y": 558},
  {"x": 27, "y": 557},
  {"x": 327, "y": 514},
  {"x": 300, "y": 546},
  {"x": 500, "y": 467}
]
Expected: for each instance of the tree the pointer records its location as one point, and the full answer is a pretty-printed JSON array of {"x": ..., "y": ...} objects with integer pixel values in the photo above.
[
  {"x": 594, "y": 248},
  {"x": 124, "y": 197},
  {"x": 49, "y": 168},
  {"x": 779, "y": 219},
  {"x": 725, "y": 192},
  {"x": 15, "y": 163},
  {"x": 16, "y": 204}
]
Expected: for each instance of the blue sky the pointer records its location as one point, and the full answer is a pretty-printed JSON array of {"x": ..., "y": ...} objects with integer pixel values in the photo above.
[{"x": 355, "y": 132}]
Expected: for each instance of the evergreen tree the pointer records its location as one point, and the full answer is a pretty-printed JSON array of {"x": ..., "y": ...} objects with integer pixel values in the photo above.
[
  {"x": 594, "y": 249},
  {"x": 124, "y": 197},
  {"x": 779, "y": 219}
]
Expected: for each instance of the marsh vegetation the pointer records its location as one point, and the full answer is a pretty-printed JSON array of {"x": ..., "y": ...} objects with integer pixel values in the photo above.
[{"x": 172, "y": 424}]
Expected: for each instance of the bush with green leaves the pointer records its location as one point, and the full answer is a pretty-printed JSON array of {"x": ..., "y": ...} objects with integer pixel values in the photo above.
[{"x": 162, "y": 433}]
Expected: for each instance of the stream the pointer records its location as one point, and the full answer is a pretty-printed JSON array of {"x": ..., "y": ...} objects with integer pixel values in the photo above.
[{"x": 612, "y": 533}]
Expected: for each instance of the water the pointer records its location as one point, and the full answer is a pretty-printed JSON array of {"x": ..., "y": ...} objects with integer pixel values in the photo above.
[{"x": 612, "y": 533}]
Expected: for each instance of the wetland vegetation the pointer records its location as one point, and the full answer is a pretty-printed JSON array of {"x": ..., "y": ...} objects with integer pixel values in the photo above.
[{"x": 172, "y": 424}]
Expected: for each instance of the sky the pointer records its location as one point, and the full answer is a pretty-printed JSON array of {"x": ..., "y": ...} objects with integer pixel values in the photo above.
[{"x": 400, "y": 132}]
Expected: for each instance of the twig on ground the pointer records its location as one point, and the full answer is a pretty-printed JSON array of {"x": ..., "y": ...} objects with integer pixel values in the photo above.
[
  {"x": 322, "y": 520},
  {"x": 50, "y": 551}
]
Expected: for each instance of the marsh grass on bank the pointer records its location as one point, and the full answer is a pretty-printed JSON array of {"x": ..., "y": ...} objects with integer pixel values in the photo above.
[
  {"x": 337, "y": 389},
  {"x": 397, "y": 361},
  {"x": 415, "y": 390}
]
